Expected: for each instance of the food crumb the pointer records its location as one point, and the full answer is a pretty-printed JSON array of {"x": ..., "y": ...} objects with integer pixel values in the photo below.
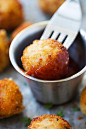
[
  {"x": 75, "y": 103},
  {"x": 10, "y": 78},
  {"x": 80, "y": 117},
  {"x": 65, "y": 106}
]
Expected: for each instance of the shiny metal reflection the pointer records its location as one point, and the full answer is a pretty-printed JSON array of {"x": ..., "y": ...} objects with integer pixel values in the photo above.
[{"x": 57, "y": 91}]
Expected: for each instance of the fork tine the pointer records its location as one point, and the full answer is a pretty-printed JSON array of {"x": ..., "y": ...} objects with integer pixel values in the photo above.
[
  {"x": 65, "y": 23},
  {"x": 46, "y": 34},
  {"x": 69, "y": 41},
  {"x": 61, "y": 37},
  {"x": 55, "y": 34}
]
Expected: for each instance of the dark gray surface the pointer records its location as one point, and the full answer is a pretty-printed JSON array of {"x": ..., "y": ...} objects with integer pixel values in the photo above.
[
  {"x": 32, "y": 107},
  {"x": 33, "y": 13}
]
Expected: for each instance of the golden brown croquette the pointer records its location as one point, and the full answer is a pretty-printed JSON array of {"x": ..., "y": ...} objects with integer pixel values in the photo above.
[
  {"x": 49, "y": 122},
  {"x": 4, "y": 50},
  {"x": 83, "y": 101},
  {"x": 11, "y": 14},
  {"x": 10, "y": 98},
  {"x": 46, "y": 59},
  {"x": 50, "y": 6}
]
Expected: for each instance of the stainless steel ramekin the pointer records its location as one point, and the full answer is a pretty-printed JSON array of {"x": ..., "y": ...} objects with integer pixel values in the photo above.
[{"x": 57, "y": 91}]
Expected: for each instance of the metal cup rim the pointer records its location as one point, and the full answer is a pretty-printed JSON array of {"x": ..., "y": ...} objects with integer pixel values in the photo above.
[{"x": 12, "y": 46}]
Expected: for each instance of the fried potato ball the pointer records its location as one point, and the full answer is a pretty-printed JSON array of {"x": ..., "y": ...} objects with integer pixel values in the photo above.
[
  {"x": 11, "y": 14},
  {"x": 49, "y": 122},
  {"x": 4, "y": 50},
  {"x": 20, "y": 28},
  {"x": 50, "y": 6},
  {"x": 10, "y": 98},
  {"x": 83, "y": 101},
  {"x": 46, "y": 59}
]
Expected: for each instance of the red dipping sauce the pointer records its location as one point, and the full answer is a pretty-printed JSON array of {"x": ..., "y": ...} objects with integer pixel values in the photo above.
[{"x": 73, "y": 68}]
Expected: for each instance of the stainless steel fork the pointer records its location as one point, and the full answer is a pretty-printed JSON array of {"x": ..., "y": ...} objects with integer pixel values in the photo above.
[{"x": 65, "y": 23}]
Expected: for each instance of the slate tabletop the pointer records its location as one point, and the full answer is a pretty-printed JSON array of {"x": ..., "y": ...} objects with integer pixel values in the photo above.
[{"x": 33, "y": 108}]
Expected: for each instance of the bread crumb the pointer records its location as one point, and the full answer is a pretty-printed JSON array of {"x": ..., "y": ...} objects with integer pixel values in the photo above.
[
  {"x": 80, "y": 117},
  {"x": 75, "y": 103}
]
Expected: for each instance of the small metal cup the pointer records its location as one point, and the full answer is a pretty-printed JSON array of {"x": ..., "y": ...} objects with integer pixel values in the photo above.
[{"x": 54, "y": 91}]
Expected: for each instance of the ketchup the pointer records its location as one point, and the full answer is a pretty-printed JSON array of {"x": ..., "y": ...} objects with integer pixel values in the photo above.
[{"x": 73, "y": 68}]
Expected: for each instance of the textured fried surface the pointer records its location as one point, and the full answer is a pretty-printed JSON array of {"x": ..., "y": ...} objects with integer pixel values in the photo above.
[
  {"x": 10, "y": 98},
  {"x": 4, "y": 50},
  {"x": 46, "y": 59},
  {"x": 50, "y": 6},
  {"x": 49, "y": 122},
  {"x": 10, "y": 14},
  {"x": 20, "y": 28},
  {"x": 83, "y": 101}
]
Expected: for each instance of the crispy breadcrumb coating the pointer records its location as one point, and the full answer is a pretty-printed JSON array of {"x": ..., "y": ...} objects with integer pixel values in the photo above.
[
  {"x": 11, "y": 14},
  {"x": 20, "y": 28},
  {"x": 10, "y": 98},
  {"x": 50, "y": 6},
  {"x": 83, "y": 101},
  {"x": 46, "y": 59},
  {"x": 49, "y": 122},
  {"x": 4, "y": 50}
]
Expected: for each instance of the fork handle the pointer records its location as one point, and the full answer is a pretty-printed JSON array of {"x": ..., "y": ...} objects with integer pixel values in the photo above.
[
  {"x": 70, "y": 9},
  {"x": 73, "y": 0}
]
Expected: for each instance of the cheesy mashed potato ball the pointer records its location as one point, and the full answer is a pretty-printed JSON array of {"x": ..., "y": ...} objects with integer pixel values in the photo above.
[
  {"x": 11, "y": 14},
  {"x": 20, "y": 28},
  {"x": 46, "y": 59},
  {"x": 10, "y": 98},
  {"x": 50, "y": 6},
  {"x": 49, "y": 122},
  {"x": 83, "y": 101},
  {"x": 4, "y": 50}
]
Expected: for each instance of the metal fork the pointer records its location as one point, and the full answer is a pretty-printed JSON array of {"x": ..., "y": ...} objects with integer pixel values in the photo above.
[{"x": 65, "y": 23}]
